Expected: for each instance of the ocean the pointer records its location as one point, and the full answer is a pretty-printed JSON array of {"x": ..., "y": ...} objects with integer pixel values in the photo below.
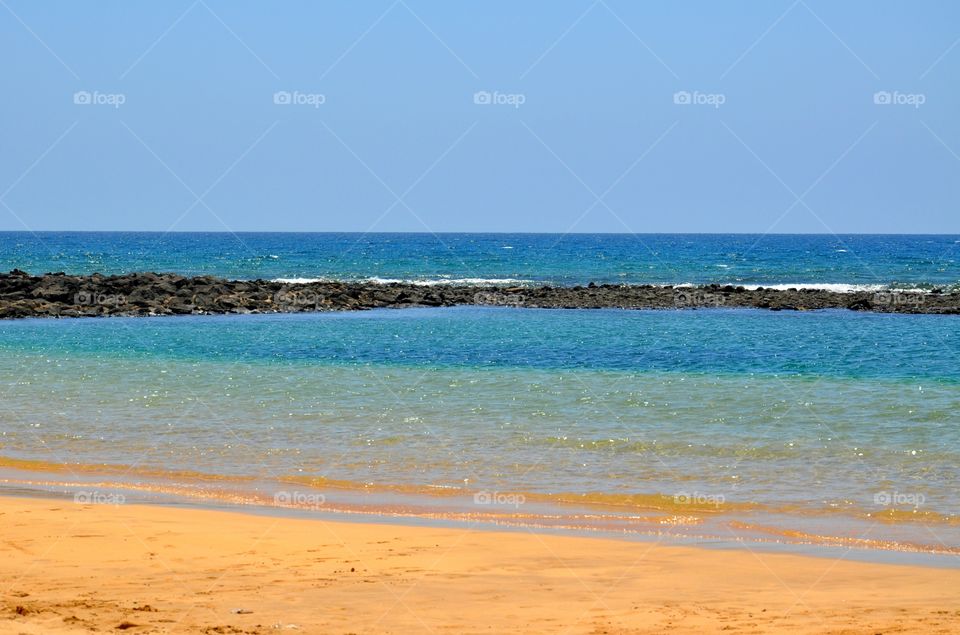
[
  {"x": 822, "y": 428},
  {"x": 833, "y": 262}
]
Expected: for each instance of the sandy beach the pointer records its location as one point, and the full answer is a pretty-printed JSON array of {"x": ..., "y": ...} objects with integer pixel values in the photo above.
[
  {"x": 393, "y": 317},
  {"x": 70, "y": 568}
]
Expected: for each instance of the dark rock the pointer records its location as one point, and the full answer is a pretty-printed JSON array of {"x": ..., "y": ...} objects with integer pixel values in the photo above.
[{"x": 60, "y": 295}]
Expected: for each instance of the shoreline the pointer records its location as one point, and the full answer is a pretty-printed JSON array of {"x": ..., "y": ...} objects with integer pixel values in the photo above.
[
  {"x": 73, "y": 568},
  {"x": 882, "y": 536},
  {"x": 152, "y": 294},
  {"x": 866, "y": 551}
]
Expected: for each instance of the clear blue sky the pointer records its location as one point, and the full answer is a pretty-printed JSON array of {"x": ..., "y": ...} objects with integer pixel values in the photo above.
[{"x": 798, "y": 143}]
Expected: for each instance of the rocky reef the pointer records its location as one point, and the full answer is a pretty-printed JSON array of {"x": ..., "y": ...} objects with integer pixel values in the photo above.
[{"x": 144, "y": 294}]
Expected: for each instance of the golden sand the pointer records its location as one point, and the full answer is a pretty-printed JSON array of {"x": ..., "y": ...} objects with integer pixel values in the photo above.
[{"x": 69, "y": 568}]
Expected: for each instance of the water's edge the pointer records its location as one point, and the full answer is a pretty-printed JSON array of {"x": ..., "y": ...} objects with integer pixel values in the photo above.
[{"x": 565, "y": 520}]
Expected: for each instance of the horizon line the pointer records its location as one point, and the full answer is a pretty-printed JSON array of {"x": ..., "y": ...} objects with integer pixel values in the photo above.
[{"x": 448, "y": 233}]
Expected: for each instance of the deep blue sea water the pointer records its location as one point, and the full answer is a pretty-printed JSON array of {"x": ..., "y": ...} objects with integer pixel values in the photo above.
[
  {"x": 889, "y": 260},
  {"x": 840, "y": 425}
]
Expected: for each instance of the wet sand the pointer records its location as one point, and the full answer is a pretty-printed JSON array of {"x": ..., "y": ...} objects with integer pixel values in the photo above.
[{"x": 70, "y": 568}]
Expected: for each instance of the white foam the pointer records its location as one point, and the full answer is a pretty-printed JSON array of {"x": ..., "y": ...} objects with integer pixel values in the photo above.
[
  {"x": 445, "y": 280},
  {"x": 423, "y": 283},
  {"x": 299, "y": 280},
  {"x": 836, "y": 287}
]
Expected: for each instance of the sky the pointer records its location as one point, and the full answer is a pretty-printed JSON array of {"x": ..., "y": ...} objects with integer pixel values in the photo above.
[{"x": 537, "y": 116}]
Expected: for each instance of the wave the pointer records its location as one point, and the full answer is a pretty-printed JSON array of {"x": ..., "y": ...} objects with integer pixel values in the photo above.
[
  {"x": 835, "y": 287},
  {"x": 128, "y": 476},
  {"x": 682, "y": 515},
  {"x": 417, "y": 282},
  {"x": 302, "y": 280}
]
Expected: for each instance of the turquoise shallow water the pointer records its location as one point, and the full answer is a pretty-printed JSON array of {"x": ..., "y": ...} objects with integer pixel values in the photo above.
[{"x": 822, "y": 421}]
